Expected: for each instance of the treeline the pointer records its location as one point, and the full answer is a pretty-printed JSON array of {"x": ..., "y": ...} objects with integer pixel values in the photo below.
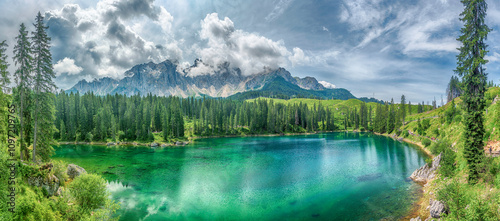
[
  {"x": 117, "y": 117},
  {"x": 384, "y": 118}
]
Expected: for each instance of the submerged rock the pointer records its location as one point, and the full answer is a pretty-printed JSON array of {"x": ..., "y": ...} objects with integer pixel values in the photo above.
[
  {"x": 436, "y": 208},
  {"x": 180, "y": 143},
  {"x": 369, "y": 177},
  {"x": 74, "y": 171},
  {"x": 426, "y": 173}
]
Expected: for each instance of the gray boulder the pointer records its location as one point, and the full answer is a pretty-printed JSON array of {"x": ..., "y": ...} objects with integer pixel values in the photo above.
[
  {"x": 74, "y": 171},
  {"x": 436, "y": 208},
  {"x": 426, "y": 173},
  {"x": 154, "y": 144},
  {"x": 50, "y": 183},
  {"x": 416, "y": 219}
]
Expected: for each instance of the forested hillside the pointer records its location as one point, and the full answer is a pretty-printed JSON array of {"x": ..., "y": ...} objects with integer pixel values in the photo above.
[{"x": 442, "y": 131}]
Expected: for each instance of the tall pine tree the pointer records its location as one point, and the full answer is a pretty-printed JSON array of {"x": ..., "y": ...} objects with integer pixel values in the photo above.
[
  {"x": 470, "y": 63},
  {"x": 24, "y": 61},
  {"x": 44, "y": 112},
  {"x": 4, "y": 74}
]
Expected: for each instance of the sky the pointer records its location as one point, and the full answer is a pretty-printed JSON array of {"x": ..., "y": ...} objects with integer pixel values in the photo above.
[{"x": 380, "y": 48}]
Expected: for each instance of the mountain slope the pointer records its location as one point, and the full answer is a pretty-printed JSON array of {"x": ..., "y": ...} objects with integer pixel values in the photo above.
[
  {"x": 166, "y": 78},
  {"x": 281, "y": 88}
]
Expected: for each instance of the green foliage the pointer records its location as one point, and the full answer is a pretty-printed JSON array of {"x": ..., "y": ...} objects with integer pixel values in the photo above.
[
  {"x": 453, "y": 194},
  {"x": 4, "y": 74},
  {"x": 33, "y": 206},
  {"x": 438, "y": 147},
  {"x": 89, "y": 137},
  {"x": 405, "y": 133},
  {"x": 89, "y": 191},
  {"x": 448, "y": 167},
  {"x": 278, "y": 87},
  {"x": 426, "y": 142},
  {"x": 436, "y": 132},
  {"x": 449, "y": 114},
  {"x": 428, "y": 161},
  {"x": 59, "y": 170},
  {"x": 470, "y": 63},
  {"x": 23, "y": 59}
]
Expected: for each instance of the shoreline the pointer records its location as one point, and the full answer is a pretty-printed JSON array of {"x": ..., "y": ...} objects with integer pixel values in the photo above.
[
  {"x": 189, "y": 140},
  {"x": 417, "y": 205}
]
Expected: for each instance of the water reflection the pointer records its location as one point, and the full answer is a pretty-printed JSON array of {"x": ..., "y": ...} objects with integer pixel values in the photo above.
[{"x": 296, "y": 177}]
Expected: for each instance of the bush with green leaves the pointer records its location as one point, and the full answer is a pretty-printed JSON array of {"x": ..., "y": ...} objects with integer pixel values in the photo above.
[
  {"x": 405, "y": 133},
  {"x": 89, "y": 191},
  {"x": 439, "y": 147},
  {"x": 448, "y": 167},
  {"x": 436, "y": 132},
  {"x": 59, "y": 170},
  {"x": 31, "y": 205},
  {"x": 426, "y": 142}
]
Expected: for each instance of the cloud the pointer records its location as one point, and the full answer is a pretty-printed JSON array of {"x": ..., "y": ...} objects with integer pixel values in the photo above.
[
  {"x": 250, "y": 52},
  {"x": 362, "y": 14},
  {"x": 325, "y": 29},
  {"x": 278, "y": 9},
  {"x": 327, "y": 84},
  {"x": 299, "y": 58},
  {"x": 67, "y": 65},
  {"x": 415, "y": 28},
  {"x": 102, "y": 40},
  {"x": 492, "y": 57}
]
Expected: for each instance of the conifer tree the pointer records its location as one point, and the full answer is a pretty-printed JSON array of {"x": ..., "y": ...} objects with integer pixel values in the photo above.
[
  {"x": 403, "y": 108},
  {"x": 44, "y": 86},
  {"x": 470, "y": 63},
  {"x": 4, "y": 74},
  {"x": 4, "y": 83},
  {"x": 22, "y": 59}
]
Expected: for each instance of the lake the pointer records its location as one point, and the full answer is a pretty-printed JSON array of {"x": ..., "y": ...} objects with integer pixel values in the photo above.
[{"x": 330, "y": 176}]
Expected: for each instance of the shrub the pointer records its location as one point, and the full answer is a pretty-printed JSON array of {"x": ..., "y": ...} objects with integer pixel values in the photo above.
[
  {"x": 59, "y": 171},
  {"x": 89, "y": 137},
  {"x": 89, "y": 191},
  {"x": 426, "y": 142},
  {"x": 447, "y": 168},
  {"x": 429, "y": 162},
  {"x": 439, "y": 147},
  {"x": 497, "y": 180},
  {"x": 436, "y": 131},
  {"x": 405, "y": 133},
  {"x": 458, "y": 119}
]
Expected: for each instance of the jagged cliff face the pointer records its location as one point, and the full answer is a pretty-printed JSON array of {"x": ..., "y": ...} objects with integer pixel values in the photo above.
[{"x": 166, "y": 79}]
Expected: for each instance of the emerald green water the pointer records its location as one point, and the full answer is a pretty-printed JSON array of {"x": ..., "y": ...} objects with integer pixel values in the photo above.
[{"x": 332, "y": 176}]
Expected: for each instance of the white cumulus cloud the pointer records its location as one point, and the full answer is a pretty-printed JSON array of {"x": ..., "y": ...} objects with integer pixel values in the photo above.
[
  {"x": 250, "y": 52},
  {"x": 67, "y": 65},
  {"x": 327, "y": 84}
]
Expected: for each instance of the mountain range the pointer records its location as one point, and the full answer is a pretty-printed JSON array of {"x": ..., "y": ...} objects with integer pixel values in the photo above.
[{"x": 167, "y": 78}]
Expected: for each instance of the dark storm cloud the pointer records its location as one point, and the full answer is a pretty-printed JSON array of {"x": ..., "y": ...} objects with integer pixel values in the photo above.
[
  {"x": 117, "y": 31},
  {"x": 85, "y": 26},
  {"x": 132, "y": 8},
  {"x": 127, "y": 9}
]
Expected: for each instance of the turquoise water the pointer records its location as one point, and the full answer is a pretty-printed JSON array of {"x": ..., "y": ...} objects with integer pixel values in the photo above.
[{"x": 332, "y": 176}]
